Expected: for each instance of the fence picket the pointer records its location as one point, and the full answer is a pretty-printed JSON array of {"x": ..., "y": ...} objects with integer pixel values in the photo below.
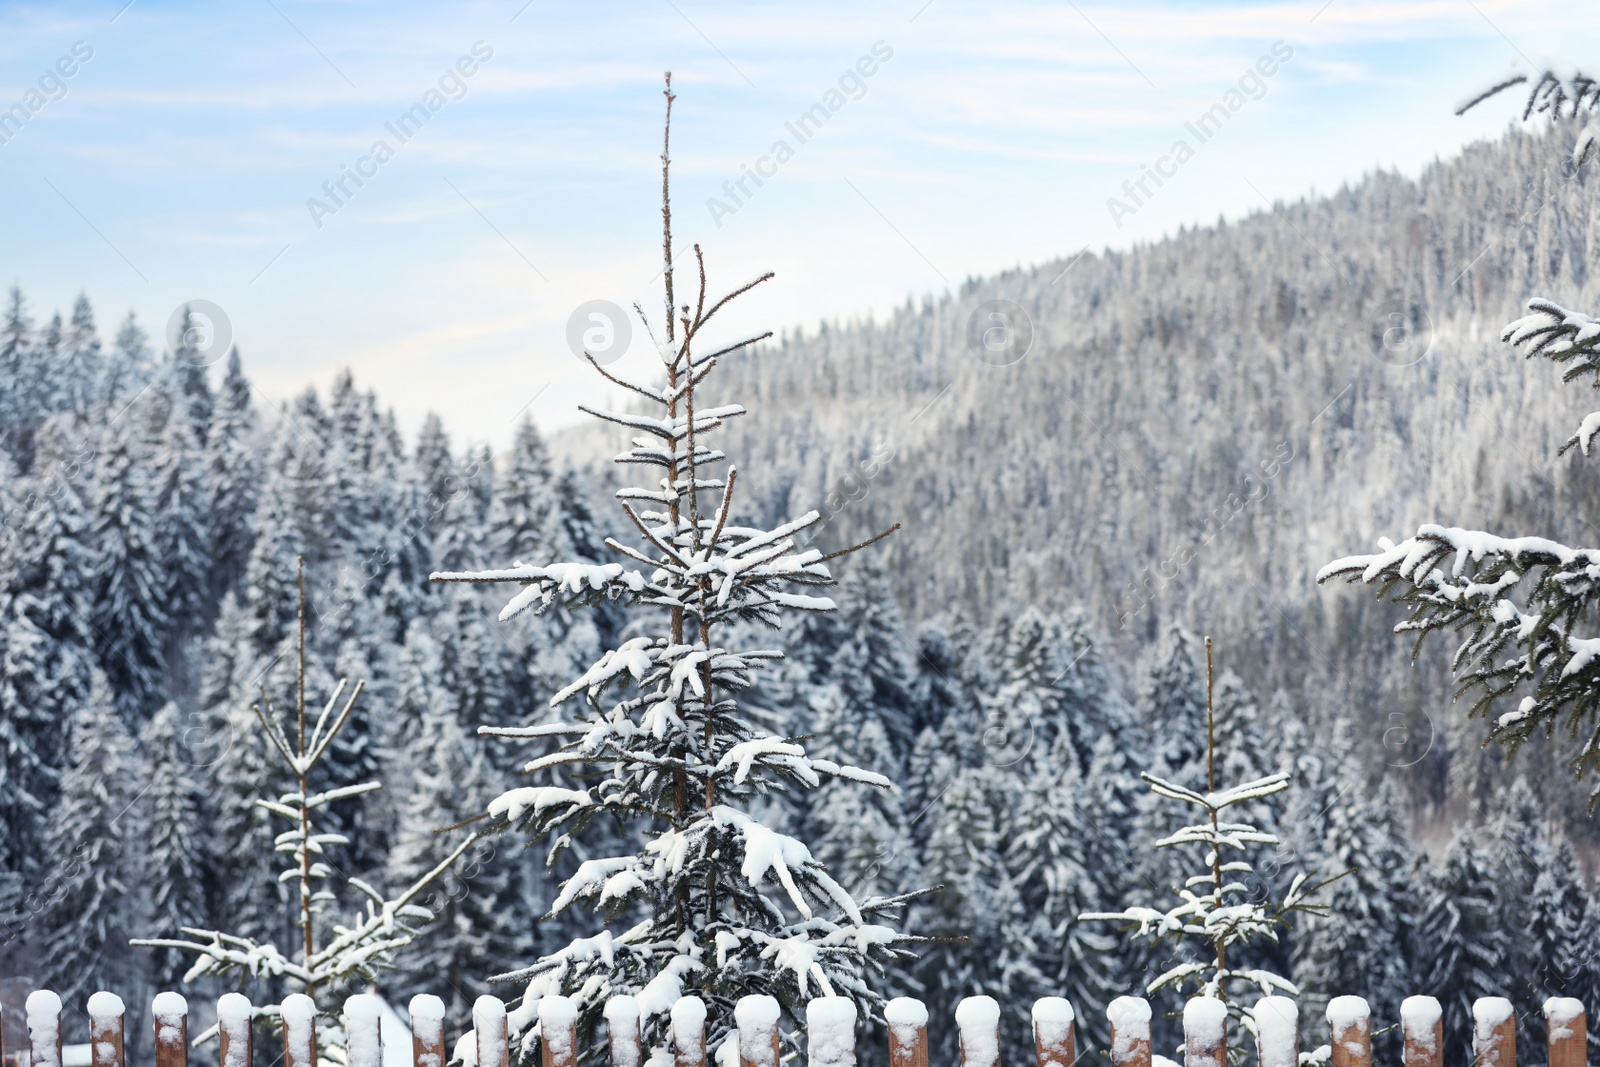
[
  {"x": 234, "y": 1016},
  {"x": 622, "y": 1020},
  {"x": 1494, "y": 1032},
  {"x": 757, "y": 1019},
  {"x": 831, "y": 1032},
  {"x": 1350, "y": 1032},
  {"x": 978, "y": 1023},
  {"x": 363, "y": 1030},
  {"x": 171, "y": 1014},
  {"x": 44, "y": 1028},
  {"x": 490, "y": 1032},
  {"x": 908, "y": 1032},
  {"x": 1130, "y": 1032},
  {"x": 1277, "y": 1032},
  {"x": 1205, "y": 1032},
  {"x": 689, "y": 1032},
  {"x": 1568, "y": 1027},
  {"x": 105, "y": 1029},
  {"x": 1422, "y": 1022},
  {"x": 299, "y": 1030},
  {"x": 1053, "y": 1042},
  {"x": 558, "y": 1032},
  {"x": 426, "y": 1012}
]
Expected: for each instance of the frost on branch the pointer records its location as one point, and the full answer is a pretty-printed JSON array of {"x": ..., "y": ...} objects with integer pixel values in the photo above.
[
  {"x": 654, "y": 737},
  {"x": 1558, "y": 91}
]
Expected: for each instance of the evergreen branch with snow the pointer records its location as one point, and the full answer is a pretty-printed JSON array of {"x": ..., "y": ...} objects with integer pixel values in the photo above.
[{"x": 1465, "y": 581}]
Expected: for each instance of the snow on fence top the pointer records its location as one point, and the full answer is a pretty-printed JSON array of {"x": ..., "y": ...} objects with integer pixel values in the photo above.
[{"x": 832, "y": 1025}]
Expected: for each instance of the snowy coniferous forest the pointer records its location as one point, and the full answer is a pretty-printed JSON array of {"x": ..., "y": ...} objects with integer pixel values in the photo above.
[{"x": 1197, "y": 427}]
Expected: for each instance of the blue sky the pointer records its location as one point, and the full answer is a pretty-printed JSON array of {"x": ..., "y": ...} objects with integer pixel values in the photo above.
[{"x": 178, "y": 162}]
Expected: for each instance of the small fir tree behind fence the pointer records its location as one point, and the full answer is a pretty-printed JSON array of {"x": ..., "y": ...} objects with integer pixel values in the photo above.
[{"x": 829, "y": 1033}]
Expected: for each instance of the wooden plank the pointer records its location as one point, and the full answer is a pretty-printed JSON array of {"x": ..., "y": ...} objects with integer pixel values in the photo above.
[
  {"x": 1205, "y": 1032},
  {"x": 908, "y": 1032},
  {"x": 363, "y": 1030},
  {"x": 235, "y": 1018},
  {"x": 1494, "y": 1032},
  {"x": 490, "y": 1033},
  {"x": 1568, "y": 1027},
  {"x": 299, "y": 1031},
  {"x": 831, "y": 1032},
  {"x": 1130, "y": 1032},
  {"x": 1422, "y": 1024},
  {"x": 105, "y": 1030},
  {"x": 426, "y": 1012},
  {"x": 171, "y": 1014},
  {"x": 1350, "y": 1032},
  {"x": 44, "y": 1028},
  {"x": 558, "y": 1031},
  {"x": 978, "y": 1021},
  {"x": 757, "y": 1020},
  {"x": 1054, "y": 1044}
]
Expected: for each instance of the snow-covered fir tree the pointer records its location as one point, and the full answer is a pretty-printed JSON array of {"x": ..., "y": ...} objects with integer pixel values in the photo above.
[
  {"x": 712, "y": 902},
  {"x": 1459, "y": 946},
  {"x": 172, "y": 843}
]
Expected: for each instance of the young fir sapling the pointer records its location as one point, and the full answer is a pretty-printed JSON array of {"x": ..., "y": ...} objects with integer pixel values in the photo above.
[{"x": 711, "y": 902}]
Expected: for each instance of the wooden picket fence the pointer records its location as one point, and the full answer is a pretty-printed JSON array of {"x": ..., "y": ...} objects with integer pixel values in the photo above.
[{"x": 830, "y": 1031}]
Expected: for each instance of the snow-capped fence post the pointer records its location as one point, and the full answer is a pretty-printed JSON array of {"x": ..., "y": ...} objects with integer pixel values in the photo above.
[
  {"x": 1568, "y": 1026},
  {"x": 171, "y": 1015},
  {"x": 908, "y": 1032},
  {"x": 1205, "y": 1032},
  {"x": 1350, "y": 1032},
  {"x": 757, "y": 1020},
  {"x": 1422, "y": 1023},
  {"x": 234, "y": 1016},
  {"x": 1053, "y": 1043},
  {"x": 831, "y": 1032},
  {"x": 1130, "y": 1031},
  {"x": 978, "y": 1020},
  {"x": 558, "y": 1032},
  {"x": 299, "y": 1014},
  {"x": 1277, "y": 1032},
  {"x": 490, "y": 1031},
  {"x": 622, "y": 1021},
  {"x": 363, "y": 1031},
  {"x": 689, "y": 1032},
  {"x": 44, "y": 1028},
  {"x": 105, "y": 1029},
  {"x": 1494, "y": 1032},
  {"x": 427, "y": 1030}
]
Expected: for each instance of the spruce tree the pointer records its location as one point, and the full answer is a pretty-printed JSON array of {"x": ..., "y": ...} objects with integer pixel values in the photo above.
[
  {"x": 1460, "y": 948},
  {"x": 171, "y": 837},
  {"x": 231, "y": 480},
  {"x": 714, "y": 903},
  {"x": 95, "y": 857}
]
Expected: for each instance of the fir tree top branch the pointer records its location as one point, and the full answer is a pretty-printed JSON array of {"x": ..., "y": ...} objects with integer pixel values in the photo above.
[{"x": 857, "y": 548}]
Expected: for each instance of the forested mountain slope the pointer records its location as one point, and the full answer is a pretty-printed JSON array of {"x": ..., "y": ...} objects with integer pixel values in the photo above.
[{"x": 1201, "y": 423}]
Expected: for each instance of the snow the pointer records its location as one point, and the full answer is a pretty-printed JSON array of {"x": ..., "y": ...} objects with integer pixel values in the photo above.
[
  {"x": 978, "y": 1019},
  {"x": 558, "y": 1017},
  {"x": 489, "y": 1026},
  {"x": 1052, "y": 1025},
  {"x": 757, "y": 1019},
  {"x": 1130, "y": 1027},
  {"x": 831, "y": 1028},
  {"x": 1205, "y": 1022},
  {"x": 1277, "y": 1021},
  {"x": 1561, "y": 1013},
  {"x": 104, "y": 1008},
  {"x": 234, "y": 1013},
  {"x": 622, "y": 1017},
  {"x": 1418, "y": 1017},
  {"x": 1487, "y": 1014},
  {"x": 1349, "y": 1023},
  {"x": 363, "y": 1036},
  {"x": 299, "y": 1029},
  {"x": 905, "y": 1011},
  {"x": 169, "y": 1005}
]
